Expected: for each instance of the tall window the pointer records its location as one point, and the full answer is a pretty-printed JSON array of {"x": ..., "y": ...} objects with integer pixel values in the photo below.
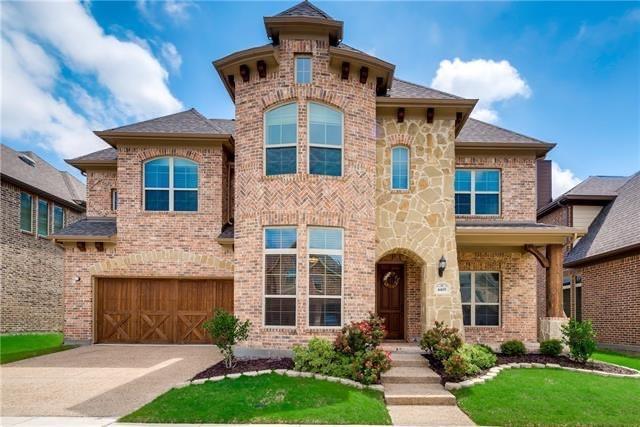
[
  {"x": 170, "y": 184},
  {"x": 281, "y": 136},
  {"x": 578, "y": 280},
  {"x": 325, "y": 140},
  {"x": 400, "y": 168},
  {"x": 325, "y": 276},
  {"x": 58, "y": 218},
  {"x": 280, "y": 245},
  {"x": 303, "y": 69},
  {"x": 566, "y": 295},
  {"x": 114, "y": 199},
  {"x": 26, "y": 212},
  {"x": 43, "y": 217},
  {"x": 477, "y": 192},
  {"x": 480, "y": 292}
]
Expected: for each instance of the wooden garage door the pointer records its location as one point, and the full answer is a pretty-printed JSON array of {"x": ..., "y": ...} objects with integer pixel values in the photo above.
[{"x": 158, "y": 311}]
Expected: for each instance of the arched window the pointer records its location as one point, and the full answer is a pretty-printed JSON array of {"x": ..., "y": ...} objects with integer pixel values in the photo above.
[
  {"x": 171, "y": 184},
  {"x": 400, "y": 168},
  {"x": 281, "y": 137},
  {"x": 325, "y": 140}
]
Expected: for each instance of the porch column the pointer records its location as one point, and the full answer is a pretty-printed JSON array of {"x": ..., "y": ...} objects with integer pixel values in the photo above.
[{"x": 554, "y": 281}]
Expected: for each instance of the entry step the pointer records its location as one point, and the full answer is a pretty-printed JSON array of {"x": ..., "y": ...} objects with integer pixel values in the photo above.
[
  {"x": 417, "y": 394},
  {"x": 409, "y": 360},
  {"x": 409, "y": 375}
]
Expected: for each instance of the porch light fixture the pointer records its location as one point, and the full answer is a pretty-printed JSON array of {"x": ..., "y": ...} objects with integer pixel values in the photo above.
[{"x": 442, "y": 264}]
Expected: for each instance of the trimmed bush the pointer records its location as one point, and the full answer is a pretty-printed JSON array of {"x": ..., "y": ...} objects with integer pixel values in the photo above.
[
  {"x": 368, "y": 365},
  {"x": 486, "y": 347},
  {"x": 441, "y": 341},
  {"x": 477, "y": 356},
  {"x": 513, "y": 348},
  {"x": 551, "y": 347},
  {"x": 321, "y": 357},
  {"x": 456, "y": 367},
  {"x": 581, "y": 339},
  {"x": 227, "y": 330},
  {"x": 361, "y": 336}
]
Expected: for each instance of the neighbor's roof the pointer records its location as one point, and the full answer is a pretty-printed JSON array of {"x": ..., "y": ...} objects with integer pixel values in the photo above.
[
  {"x": 305, "y": 8},
  {"x": 91, "y": 227},
  {"x": 41, "y": 177},
  {"x": 405, "y": 89},
  {"x": 616, "y": 228}
]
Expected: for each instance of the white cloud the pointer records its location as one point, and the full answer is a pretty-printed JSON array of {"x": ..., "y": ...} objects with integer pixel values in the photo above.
[
  {"x": 488, "y": 80},
  {"x": 562, "y": 180},
  {"x": 42, "y": 105},
  {"x": 171, "y": 55},
  {"x": 178, "y": 9}
]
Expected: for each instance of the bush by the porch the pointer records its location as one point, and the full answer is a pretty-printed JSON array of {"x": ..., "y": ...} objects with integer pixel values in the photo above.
[{"x": 581, "y": 339}]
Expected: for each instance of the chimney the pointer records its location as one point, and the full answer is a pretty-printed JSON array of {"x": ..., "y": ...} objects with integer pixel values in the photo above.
[{"x": 543, "y": 168}]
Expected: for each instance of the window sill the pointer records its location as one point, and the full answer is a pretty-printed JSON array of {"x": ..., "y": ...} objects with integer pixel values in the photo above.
[
  {"x": 483, "y": 327},
  {"x": 479, "y": 216},
  {"x": 28, "y": 233}
]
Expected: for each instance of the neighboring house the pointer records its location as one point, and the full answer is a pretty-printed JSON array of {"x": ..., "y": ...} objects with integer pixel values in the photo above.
[
  {"x": 37, "y": 200},
  {"x": 602, "y": 269},
  {"x": 337, "y": 190}
]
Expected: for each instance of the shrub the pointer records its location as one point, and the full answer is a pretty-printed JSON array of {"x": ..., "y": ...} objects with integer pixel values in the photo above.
[
  {"x": 551, "y": 347},
  {"x": 455, "y": 367},
  {"x": 486, "y": 347},
  {"x": 477, "y": 356},
  {"x": 581, "y": 339},
  {"x": 361, "y": 336},
  {"x": 513, "y": 348},
  {"x": 321, "y": 357},
  {"x": 440, "y": 341},
  {"x": 368, "y": 365},
  {"x": 226, "y": 330}
]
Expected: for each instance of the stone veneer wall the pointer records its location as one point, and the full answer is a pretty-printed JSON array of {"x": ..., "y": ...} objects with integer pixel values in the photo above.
[
  {"x": 517, "y": 294},
  {"x": 420, "y": 222},
  {"x": 99, "y": 185},
  {"x": 32, "y": 269},
  {"x": 300, "y": 199}
]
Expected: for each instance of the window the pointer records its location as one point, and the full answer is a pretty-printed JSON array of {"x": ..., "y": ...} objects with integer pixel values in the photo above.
[
  {"x": 171, "y": 184},
  {"x": 566, "y": 295},
  {"x": 579, "y": 298},
  {"x": 26, "y": 212},
  {"x": 480, "y": 294},
  {"x": 400, "y": 168},
  {"x": 280, "y": 245},
  {"x": 58, "y": 218},
  {"x": 477, "y": 192},
  {"x": 325, "y": 140},
  {"x": 43, "y": 217},
  {"x": 303, "y": 69},
  {"x": 114, "y": 199},
  {"x": 325, "y": 276},
  {"x": 281, "y": 136}
]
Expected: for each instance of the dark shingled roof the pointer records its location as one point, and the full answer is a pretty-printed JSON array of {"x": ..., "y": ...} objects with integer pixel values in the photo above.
[
  {"x": 616, "y": 228},
  {"x": 305, "y": 8},
  {"x": 477, "y": 131},
  {"x": 108, "y": 154},
  {"x": 41, "y": 176},
  {"x": 405, "y": 89},
  {"x": 226, "y": 126},
  {"x": 90, "y": 227},
  {"x": 185, "y": 122},
  {"x": 598, "y": 186}
]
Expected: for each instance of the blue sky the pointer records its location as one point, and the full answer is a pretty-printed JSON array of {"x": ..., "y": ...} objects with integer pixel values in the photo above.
[{"x": 562, "y": 72}]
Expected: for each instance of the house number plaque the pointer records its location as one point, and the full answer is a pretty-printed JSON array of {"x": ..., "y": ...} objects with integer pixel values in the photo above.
[{"x": 442, "y": 289}]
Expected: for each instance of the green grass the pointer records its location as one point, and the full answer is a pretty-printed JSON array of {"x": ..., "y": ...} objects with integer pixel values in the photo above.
[
  {"x": 617, "y": 358},
  {"x": 552, "y": 397},
  {"x": 23, "y": 346},
  {"x": 268, "y": 399}
]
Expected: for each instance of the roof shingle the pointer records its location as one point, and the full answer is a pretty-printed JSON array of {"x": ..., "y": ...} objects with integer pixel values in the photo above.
[
  {"x": 185, "y": 122},
  {"x": 305, "y": 8},
  {"x": 405, "y": 89},
  {"x": 598, "y": 186},
  {"x": 90, "y": 227},
  {"x": 477, "y": 131}
]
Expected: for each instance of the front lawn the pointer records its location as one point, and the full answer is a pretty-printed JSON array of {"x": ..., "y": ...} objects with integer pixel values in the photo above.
[
  {"x": 23, "y": 346},
  {"x": 552, "y": 397},
  {"x": 269, "y": 398},
  {"x": 617, "y": 358}
]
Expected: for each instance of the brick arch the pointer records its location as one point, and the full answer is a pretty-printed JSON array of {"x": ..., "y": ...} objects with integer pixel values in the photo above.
[
  {"x": 409, "y": 253},
  {"x": 187, "y": 153},
  {"x": 303, "y": 95},
  {"x": 150, "y": 257},
  {"x": 402, "y": 139}
]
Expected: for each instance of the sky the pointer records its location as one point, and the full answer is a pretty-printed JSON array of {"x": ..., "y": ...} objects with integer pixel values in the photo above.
[{"x": 567, "y": 73}]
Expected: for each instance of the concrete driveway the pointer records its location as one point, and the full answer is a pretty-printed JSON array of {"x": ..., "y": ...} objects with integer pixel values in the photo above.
[{"x": 98, "y": 380}]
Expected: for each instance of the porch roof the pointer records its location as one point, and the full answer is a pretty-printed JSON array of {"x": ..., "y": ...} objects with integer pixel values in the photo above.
[{"x": 510, "y": 233}]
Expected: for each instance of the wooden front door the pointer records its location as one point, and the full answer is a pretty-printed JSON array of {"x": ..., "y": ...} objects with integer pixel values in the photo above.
[
  {"x": 390, "y": 298},
  {"x": 167, "y": 311}
]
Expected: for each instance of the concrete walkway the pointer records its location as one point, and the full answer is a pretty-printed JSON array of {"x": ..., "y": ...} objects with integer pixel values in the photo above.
[{"x": 413, "y": 392}]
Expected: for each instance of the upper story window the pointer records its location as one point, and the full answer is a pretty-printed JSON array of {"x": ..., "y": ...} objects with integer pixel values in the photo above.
[
  {"x": 43, "y": 218},
  {"x": 171, "y": 184},
  {"x": 114, "y": 199},
  {"x": 325, "y": 276},
  {"x": 477, "y": 192},
  {"x": 480, "y": 294},
  {"x": 325, "y": 140},
  {"x": 26, "y": 212},
  {"x": 303, "y": 69},
  {"x": 399, "y": 168},
  {"x": 58, "y": 218},
  {"x": 281, "y": 136},
  {"x": 280, "y": 249}
]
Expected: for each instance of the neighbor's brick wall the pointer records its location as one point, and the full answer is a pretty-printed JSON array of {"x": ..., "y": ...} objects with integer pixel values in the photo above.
[
  {"x": 99, "y": 185},
  {"x": 302, "y": 200},
  {"x": 32, "y": 268},
  {"x": 517, "y": 294}
]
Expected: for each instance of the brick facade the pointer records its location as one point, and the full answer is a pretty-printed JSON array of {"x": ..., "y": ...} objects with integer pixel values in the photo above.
[{"x": 100, "y": 183}]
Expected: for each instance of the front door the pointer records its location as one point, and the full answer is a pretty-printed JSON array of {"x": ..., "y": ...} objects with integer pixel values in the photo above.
[{"x": 390, "y": 298}]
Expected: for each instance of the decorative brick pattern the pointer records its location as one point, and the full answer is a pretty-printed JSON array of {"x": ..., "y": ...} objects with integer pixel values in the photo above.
[{"x": 100, "y": 182}]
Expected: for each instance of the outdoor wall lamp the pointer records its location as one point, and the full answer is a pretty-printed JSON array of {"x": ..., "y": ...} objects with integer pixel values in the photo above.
[{"x": 442, "y": 264}]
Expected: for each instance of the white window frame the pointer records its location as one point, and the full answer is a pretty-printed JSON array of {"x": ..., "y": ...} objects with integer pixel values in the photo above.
[
  {"x": 295, "y": 77},
  {"x": 335, "y": 147},
  {"x": 473, "y": 302},
  {"x": 38, "y": 217},
  {"x": 401, "y": 147},
  {"x": 282, "y": 251},
  {"x": 171, "y": 188},
  {"x": 31, "y": 198},
  {"x": 473, "y": 191},
  {"x": 53, "y": 217},
  {"x": 311, "y": 251},
  {"x": 264, "y": 142}
]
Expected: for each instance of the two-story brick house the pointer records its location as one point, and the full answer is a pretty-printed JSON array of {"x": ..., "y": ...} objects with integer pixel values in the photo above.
[
  {"x": 337, "y": 190},
  {"x": 37, "y": 201}
]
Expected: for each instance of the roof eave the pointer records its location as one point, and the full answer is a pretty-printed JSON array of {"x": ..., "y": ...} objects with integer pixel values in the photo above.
[
  {"x": 83, "y": 165},
  {"x": 388, "y": 101},
  {"x": 560, "y": 202},
  {"x": 35, "y": 190},
  {"x": 541, "y": 148},
  {"x": 602, "y": 256},
  {"x": 83, "y": 238},
  {"x": 508, "y": 236},
  {"x": 333, "y": 27},
  {"x": 113, "y": 138}
]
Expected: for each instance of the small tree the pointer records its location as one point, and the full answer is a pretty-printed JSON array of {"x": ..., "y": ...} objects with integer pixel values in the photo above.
[
  {"x": 581, "y": 339},
  {"x": 226, "y": 330}
]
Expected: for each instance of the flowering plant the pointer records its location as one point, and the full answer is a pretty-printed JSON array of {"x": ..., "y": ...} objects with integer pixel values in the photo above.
[{"x": 361, "y": 336}]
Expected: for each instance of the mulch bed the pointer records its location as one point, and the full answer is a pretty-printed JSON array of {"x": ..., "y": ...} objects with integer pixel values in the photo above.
[{"x": 245, "y": 365}]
